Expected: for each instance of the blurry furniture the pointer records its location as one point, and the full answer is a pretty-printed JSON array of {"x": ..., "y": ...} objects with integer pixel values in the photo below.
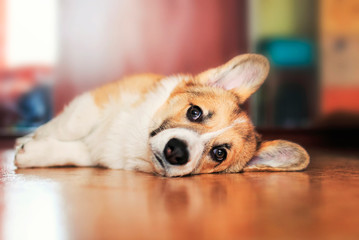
[
  {"x": 288, "y": 99},
  {"x": 285, "y": 32},
  {"x": 25, "y": 99},
  {"x": 339, "y": 41}
]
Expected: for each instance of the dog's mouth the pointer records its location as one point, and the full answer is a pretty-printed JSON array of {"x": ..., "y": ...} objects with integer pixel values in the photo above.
[
  {"x": 159, "y": 160},
  {"x": 159, "y": 165}
]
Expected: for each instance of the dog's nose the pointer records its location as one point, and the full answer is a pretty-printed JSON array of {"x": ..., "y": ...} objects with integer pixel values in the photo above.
[{"x": 176, "y": 152}]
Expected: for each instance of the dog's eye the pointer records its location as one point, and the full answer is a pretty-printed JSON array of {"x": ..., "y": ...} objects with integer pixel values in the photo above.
[
  {"x": 194, "y": 114},
  {"x": 219, "y": 154}
]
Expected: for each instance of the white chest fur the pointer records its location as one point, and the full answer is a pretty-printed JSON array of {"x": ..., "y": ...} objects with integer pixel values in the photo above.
[{"x": 120, "y": 140}]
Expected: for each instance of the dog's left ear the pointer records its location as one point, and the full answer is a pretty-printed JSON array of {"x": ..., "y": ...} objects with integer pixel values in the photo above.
[
  {"x": 278, "y": 155},
  {"x": 243, "y": 74}
]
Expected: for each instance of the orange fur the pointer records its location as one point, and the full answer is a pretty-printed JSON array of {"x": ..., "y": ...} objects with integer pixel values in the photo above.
[{"x": 137, "y": 83}]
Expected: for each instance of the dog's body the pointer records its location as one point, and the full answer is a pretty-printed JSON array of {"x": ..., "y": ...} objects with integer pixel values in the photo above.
[{"x": 172, "y": 126}]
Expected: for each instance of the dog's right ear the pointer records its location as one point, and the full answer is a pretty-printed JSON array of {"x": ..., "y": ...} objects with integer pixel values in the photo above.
[{"x": 243, "y": 74}]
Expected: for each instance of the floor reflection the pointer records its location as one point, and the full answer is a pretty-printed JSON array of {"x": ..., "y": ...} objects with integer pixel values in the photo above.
[
  {"x": 32, "y": 209},
  {"x": 95, "y": 203}
]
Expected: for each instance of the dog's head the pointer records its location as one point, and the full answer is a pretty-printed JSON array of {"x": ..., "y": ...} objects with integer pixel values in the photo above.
[{"x": 202, "y": 127}]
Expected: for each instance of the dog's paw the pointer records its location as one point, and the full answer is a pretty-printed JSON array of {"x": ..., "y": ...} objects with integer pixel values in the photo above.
[
  {"x": 19, "y": 142},
  {"x": 31, "y": 153}
]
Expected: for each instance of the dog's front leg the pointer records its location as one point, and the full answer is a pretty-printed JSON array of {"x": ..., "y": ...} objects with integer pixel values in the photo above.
[
  {"x": 47, "y": 152},
  {"x": 76, "y": 121},
  {"x": 59, "y": 142}
]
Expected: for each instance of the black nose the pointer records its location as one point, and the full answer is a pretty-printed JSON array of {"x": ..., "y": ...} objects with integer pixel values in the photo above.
[{"x": 176, "y": 152}]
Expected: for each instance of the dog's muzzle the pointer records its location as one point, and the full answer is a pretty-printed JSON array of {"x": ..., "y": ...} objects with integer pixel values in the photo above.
[{"x": 176, "y": 151}]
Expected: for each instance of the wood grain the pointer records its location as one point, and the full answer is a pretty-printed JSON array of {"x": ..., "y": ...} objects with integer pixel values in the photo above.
[{"x": 94, "y": 203}]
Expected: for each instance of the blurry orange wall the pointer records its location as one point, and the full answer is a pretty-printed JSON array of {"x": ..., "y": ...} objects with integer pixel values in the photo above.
[
  {"x": 100, "y": 41},
  {"x": 339, "y": 32}
]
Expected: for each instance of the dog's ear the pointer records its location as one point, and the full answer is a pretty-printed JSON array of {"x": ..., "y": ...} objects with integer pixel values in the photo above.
[
  {"x": 243, "y": 74},
  {"x": 278, "y": 155}
]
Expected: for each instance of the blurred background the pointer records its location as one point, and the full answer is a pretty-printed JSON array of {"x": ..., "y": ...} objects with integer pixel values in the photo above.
[{"x": 52, "y": 50}]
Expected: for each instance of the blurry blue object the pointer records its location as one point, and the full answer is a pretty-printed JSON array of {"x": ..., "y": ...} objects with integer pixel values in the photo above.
[
  {"x": 35, "y": 107},
  {"x": 289, "y": 52}
]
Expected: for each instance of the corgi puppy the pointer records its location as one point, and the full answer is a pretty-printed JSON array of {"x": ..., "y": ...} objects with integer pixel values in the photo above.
[{"x": 171, "y": 126}]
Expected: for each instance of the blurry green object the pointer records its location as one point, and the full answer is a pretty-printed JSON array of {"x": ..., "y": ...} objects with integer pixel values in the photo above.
[
  {"x": 276, "y": 18},
  {"x": 283, "y": 18}
]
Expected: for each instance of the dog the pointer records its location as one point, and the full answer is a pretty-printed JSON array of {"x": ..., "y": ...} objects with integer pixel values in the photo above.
[{"x": 168, "y": 125}]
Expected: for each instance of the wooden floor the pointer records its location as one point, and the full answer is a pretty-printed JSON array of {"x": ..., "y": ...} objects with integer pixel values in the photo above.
[{"x": 89, "y": 203}]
